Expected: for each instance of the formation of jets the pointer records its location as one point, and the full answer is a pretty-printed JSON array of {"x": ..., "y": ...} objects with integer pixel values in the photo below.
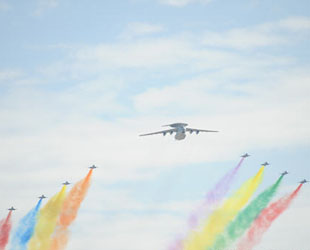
[
  {"x": 179, "y": 129},
  {"x": 43, "y": 196}
]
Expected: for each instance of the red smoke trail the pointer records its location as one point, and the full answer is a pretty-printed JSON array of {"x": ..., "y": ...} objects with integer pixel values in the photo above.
[
  {"x": 5, "y": 228},
  {"x": 265, "y": 220},
  {"x": 69, "y": 212}
]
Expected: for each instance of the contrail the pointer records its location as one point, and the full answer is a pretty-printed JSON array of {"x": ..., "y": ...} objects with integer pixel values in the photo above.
[
  {"x": 25, "y": 229},
  {"x": 218, "y": 220},
  {"x": 245, "y": 218},
  {"x": 5, "y": 229},
  {"x": 265, "y": 220},
  {"x": 46, "y": 222},
  {"x": 69, "y": 212}
]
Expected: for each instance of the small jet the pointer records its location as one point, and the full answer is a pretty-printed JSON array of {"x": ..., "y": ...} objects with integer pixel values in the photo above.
[
  {"x": 93, "y": 167},
  {"x": 12, "y": 208},
  {"x": 284, "y": 173},
  {"x": 245, "y": 155},
  {"x": 42, "y": 197},
  {"x": 179, "y": 130},
  {"x": 265, "y": 164},
  {"x": 66, "y": 183},
  {"x": 303, "y": 181}
]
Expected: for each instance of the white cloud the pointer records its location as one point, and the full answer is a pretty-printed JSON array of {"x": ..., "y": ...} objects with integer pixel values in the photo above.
[
  {"x": 263, "y": 35},
  {"x": 43, "y": 5},
  {"x": 139, "y": 29},
  {"x": 181, "y": 3},
  {"x": 9, "y": 75}
]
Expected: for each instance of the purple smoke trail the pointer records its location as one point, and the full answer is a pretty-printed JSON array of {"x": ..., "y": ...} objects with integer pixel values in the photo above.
[{"x": 214, "y": 196}]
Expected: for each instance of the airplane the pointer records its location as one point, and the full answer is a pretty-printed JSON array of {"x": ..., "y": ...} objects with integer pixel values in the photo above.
[
  {"x": 303, "y": 181},
  {"x": 265, "y": 164},
  {"x": 66, "y": 183},
  {"x": 93, "y": 167},
  {"x": 42, "y": 196},
  {"x": 245, "y": 155},
  {"x": 179, "y": 130},
  {"x": 284, "y": 173},
  {"x": 12, "y": 208}
]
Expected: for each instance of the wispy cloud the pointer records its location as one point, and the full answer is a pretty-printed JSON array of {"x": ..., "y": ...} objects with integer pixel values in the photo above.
[
  {"x": 263, "y": 35},
  {"x": 140, "y": 29},
  {"x": 43, "y": 5},
  {"x": 182, "y": 3}
]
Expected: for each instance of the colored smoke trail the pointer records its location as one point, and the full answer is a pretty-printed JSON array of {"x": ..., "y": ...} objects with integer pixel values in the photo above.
[
  {"x": 216, "y": 223},
  {"x": 46, "y": 222},
  {"x": 25, "y": 229},
  {"x": 69, "y": 212},
  {"x": 5, "y": 228},
  {"x": 265, "y": 220},
  {"x": 245, "y": 218},
  {"x": 215, "y": 195}
]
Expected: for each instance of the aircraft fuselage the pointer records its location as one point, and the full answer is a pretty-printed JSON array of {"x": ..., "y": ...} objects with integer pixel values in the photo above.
[{"x": 180, "y": 134}]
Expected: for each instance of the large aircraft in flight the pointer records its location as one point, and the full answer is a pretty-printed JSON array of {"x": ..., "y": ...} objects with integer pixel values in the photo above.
[{"x": 179, "y": 129}]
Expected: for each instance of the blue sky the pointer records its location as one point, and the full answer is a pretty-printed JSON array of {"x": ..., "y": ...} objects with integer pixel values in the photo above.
[{"x": 79, "y": 81}]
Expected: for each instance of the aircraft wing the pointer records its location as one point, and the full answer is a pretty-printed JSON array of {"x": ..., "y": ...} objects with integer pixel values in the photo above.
[
  {"x": 191, "y": 130},
  {"x": 164, "y": 132}
]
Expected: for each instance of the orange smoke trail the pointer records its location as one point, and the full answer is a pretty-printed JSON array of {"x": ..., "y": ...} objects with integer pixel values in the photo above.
[{"x": 69, "y": 212}]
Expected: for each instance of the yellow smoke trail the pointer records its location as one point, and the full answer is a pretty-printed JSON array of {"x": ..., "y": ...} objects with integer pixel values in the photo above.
[
  {"x": 69, "y": 212},
  {"x": 46, "y": 222},
  {"x": 219, "y": 219}
]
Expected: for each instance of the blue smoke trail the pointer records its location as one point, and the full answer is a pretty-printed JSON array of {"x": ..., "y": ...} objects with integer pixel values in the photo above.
[{"x": 25, "y": 229}]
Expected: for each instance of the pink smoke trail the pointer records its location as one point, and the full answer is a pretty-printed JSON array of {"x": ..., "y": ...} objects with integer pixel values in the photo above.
[
  {"x": 265, "y": 220},
  {"x": 214, "y": 196},
  {"x": 5, "y": 229}
]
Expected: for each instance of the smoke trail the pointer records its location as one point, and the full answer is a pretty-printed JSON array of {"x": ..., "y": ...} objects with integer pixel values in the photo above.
[
  {"x": 245, "y": 218},
  {"x": 218, "y": 220},
  {"x": 265, "y": 220},
  {"x": 46, "y": 222},
  {"x": 215, "y": 195},
  {"x": 5, "y": 228},
  {"x": 69, "y": 212},
  {"x": 25, "y": 229}
]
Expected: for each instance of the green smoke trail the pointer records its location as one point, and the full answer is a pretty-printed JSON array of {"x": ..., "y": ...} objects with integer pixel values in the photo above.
[{"x": 245, "y": 218}]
